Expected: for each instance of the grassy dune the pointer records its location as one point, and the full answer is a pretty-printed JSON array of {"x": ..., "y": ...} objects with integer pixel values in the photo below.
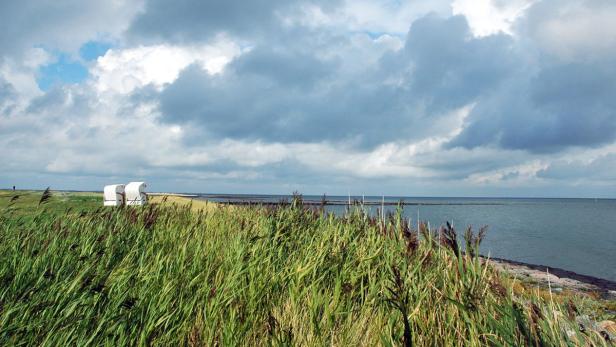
[
  {"x": 27, "y": 201},
  {"x": 24, "y": 202},
  {"x": 181, "y": 274}
]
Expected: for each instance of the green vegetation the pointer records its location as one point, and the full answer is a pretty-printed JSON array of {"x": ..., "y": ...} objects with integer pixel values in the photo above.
[
  {"x": 171, "y": 275},
  {"x": 26, "y": 203}
]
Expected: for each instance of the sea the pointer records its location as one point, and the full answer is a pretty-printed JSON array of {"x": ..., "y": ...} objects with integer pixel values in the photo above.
[{"x": 578, "y": 235}]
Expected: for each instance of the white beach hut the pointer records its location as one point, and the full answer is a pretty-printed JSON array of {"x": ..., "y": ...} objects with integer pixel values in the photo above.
[
  {"x": 135, "y": 193},
  {"x": 113, "y": 195}
]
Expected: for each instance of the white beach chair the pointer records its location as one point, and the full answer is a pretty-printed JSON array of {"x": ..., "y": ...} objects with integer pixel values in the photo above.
[
  {"x": 113, "y": 195},
  {"x": 135, "y": 194}
]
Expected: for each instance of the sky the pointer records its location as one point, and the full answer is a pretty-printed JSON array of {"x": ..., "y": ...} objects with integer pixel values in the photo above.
[{"x": 404, "y": 98}]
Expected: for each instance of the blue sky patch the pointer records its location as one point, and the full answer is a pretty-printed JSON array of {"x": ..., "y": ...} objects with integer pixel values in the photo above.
[
  {"x": 93, "y": 49},
  {"x": 63, "y": 71}
]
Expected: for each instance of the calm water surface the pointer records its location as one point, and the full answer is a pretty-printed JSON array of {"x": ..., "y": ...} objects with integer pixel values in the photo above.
[{"x": 573, "y": 234}]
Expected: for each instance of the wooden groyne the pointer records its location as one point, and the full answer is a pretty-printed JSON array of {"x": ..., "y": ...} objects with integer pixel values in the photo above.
[{"x": 249, "y": 202}]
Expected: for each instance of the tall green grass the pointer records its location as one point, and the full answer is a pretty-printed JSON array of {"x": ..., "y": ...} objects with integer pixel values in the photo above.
[{"x": 170, "y": 276}]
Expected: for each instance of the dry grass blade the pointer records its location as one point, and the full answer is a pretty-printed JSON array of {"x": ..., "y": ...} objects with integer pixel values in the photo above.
[
  {"x": 45, "y": 196},
  {"x": 449, "y": 238}
]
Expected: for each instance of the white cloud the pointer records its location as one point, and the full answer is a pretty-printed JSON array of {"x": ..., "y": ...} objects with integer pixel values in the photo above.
[
  {"x": 387, "y": 16},
  {"x": 523, "y": 174},
  {"x": 62, "y": 25},
  {"x": 487, "y": 17},
  {"x": 391, "y": 17},
  {"x": 22, "y": 74},
  {"x": 123, "y": 70},
  {"x": 577, "y": 30}
]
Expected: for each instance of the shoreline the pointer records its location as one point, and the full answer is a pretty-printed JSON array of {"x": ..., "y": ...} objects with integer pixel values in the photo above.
[
  {"x": 247, "y": 201},
  {"x": 182, "y": 195},
  {"x": 555, "y": 277}
]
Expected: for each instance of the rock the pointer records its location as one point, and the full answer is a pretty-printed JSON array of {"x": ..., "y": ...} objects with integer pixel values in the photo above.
[
  {"x": 607, "y": 329},
  {"x": 608, "y": 326},
  {"x": 585, "y": 323},
  {"x": 583, "y": 319}
]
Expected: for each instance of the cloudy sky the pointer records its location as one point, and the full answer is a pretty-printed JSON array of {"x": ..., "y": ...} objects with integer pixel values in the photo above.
[{"x": 419, "y": 98}]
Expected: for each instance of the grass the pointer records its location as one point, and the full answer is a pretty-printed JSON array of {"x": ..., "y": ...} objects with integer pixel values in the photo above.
[
  {"x": 25, "y": 202},
  {"x": 182, "y": 274}
]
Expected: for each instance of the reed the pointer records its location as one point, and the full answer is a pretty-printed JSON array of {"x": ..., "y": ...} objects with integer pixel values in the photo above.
[{"x": 173, "y": 275}]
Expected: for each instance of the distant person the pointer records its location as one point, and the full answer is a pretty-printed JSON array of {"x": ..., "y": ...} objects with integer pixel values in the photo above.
[{"x": 13, "y": 188}]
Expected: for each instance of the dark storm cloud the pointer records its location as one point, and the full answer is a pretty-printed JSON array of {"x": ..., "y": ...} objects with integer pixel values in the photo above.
[
  {"x": 601, "y": 168},
  {"x": 58, "y": 24},
  {"x": 450, "y": 68},
  {"x": 60, "y": 104},
  {"x": 257, "y": 106},
  {"x": 288, "y": 93},
  {"x": 282, "y": 91},
  {"x": 285, "y": 68},
  {"x": 42, "y": 116},
  {"x": 53, "y": 98},
  {"x": 197, "y": 20},
  {"x": 563, "y": 105},
  {"x": 459, "y": 164},
  {"x": 563, "y": 94}
]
